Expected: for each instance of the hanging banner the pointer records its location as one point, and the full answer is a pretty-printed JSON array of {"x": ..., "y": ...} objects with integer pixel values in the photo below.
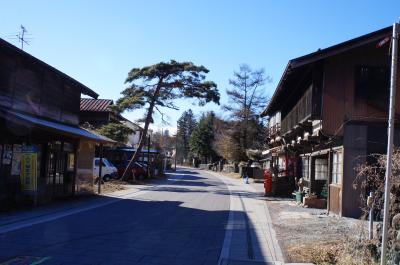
[{"x": 29, "y": 168}]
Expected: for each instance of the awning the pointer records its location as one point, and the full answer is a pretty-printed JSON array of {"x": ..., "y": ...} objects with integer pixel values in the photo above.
[{"x": 75, "y": 132}]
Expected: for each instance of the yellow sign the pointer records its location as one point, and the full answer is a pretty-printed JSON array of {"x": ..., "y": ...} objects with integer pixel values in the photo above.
[{"x": 29, "y": 171}]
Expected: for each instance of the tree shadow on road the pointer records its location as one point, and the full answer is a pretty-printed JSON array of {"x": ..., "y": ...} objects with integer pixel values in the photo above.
[{"x": 132, "y": 231}]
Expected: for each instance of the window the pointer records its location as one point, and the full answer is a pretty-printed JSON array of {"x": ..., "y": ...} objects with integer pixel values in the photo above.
[
  {"x": 305, "y": 167},
  {"x": 372, "y": 85},
  {"x": 337, "y": 167},
  {"x": 71, "y": 162},
  {"x": 321, "y": 169},
  {"x": 107, "y": 163},
  {"x": 282, "y": 166},
  {"x": 97, "y": 163}
]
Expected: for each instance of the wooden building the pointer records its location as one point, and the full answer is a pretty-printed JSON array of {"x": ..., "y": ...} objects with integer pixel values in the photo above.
[
  {"x": 40, "y": 140},
  {"x": 98, "y": 112},
  {"x": 328, "y": 114}
]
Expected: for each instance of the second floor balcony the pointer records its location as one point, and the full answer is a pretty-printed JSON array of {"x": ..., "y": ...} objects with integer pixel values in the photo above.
[
  {"x": 274, "y": 129},
  {"x": 300, "y": 113}
]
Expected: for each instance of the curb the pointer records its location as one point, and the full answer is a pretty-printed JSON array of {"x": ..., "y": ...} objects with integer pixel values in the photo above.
[{"x": 278, "y": 251}]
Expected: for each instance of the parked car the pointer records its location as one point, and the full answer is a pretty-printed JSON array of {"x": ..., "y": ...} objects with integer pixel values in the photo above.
[
  {"x": 256, "y": 164},
  {"x": 139, "y": 170},
  {"x": 108, "y": 170}
]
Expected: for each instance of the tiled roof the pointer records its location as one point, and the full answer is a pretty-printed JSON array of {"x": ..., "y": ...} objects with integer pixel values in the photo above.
[{"x": 100, "y": 105}]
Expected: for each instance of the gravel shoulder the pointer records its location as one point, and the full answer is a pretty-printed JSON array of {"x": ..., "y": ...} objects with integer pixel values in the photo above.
[{"x": 301, "y": 230}]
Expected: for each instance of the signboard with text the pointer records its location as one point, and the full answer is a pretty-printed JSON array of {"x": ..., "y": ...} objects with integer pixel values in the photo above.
[{"x": 29, "y": 168}]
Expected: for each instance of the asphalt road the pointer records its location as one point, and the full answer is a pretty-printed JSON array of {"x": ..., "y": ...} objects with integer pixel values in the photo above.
[{"x": 179, "y": 221}]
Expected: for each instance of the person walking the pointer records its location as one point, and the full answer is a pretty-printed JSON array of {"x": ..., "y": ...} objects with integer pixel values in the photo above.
[{"x": 246, "y": 172}]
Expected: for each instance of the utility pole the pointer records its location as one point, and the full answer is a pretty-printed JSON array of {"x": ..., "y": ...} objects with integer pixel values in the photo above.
[
  {"x": 100, "y": 179},
  {"x": 390, "y": 142}
]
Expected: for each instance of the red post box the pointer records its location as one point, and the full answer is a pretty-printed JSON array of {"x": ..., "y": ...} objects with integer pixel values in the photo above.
[{"x": 267, "y": 182}]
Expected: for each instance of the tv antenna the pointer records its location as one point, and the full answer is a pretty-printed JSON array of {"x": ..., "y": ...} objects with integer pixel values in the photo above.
[{"x": 21, "y": 37}]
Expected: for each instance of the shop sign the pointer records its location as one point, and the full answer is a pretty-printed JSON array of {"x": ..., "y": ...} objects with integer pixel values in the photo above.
[
  {"x": 7, "y": 154},
  {"x": 29, "y": 168}
]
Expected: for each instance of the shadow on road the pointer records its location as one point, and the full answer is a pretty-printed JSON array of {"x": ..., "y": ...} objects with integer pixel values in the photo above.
[{"x": 150, "y": 229}]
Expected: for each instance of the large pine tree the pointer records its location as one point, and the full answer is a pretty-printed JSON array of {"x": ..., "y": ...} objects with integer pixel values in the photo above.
[{"x": 157, "y": 86}]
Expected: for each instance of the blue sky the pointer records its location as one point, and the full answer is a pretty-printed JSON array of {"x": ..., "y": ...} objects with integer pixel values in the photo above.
[{"x": 98, "y": 42}]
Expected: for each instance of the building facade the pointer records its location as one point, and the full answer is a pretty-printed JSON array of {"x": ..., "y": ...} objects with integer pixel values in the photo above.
[
  {"x": 98, "y": 112},
  {"x": 40, "y": 139},
  {"x": 329, "y": 114}
]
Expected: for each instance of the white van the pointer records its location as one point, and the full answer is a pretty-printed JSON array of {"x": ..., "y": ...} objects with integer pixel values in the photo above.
[{"x": 108, "y": 170}]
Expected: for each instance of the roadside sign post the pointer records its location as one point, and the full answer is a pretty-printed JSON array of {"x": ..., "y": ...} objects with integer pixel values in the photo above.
[
  {"x": 390, "y": 142},
  {"x": 29, "y": 171}
]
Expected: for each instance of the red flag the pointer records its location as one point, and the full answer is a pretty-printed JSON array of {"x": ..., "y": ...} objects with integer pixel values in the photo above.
[{"x": 382, "y": 42}]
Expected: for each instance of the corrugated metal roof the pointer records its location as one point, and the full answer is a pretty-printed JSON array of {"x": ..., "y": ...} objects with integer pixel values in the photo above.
[{"x": 100, "y": 105}]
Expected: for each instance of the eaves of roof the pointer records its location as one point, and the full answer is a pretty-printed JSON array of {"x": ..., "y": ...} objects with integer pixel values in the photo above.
[{"x": 322, "y": 54}]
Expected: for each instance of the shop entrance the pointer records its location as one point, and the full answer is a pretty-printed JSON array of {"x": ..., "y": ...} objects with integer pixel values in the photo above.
[{"x": 59, "y": 175}]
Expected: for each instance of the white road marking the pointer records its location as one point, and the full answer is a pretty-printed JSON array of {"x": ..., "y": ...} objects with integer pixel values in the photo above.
[{"x": 226, "y": 246}]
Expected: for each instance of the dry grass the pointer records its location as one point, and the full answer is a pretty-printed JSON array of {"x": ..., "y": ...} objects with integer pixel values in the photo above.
[
  {"x": 352, "y": 249},
  {"x": 112, "y": 186},
  {"x": 339, "y": 252},
  {"x": 308, "y": 235},
  {"x": 231, "y": 175}
]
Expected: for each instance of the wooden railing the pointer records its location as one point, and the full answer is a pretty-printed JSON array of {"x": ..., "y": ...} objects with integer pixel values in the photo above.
[
  {"x": 274, "y": 130},
  {"x": 300, "y": 112}
]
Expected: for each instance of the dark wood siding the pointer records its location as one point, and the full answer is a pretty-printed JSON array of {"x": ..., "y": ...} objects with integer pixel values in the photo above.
[
  {"x": 7, "y": 67},
  {"x": 355, "y": 153},
  {"x": 339, "y": 101},
  {"x": 95, "y": 118},
  {"x": 335, "y": 199},
  {"x": 29, "y": 87}
]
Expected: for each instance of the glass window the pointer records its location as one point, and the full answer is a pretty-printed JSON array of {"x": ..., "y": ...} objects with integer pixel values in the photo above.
[
  {"x": 71, "y": 161},
  {"x": 97, "y": 162},
  {"x": 372, "y": 84},
  {"x": 282, "y": 166},
  {"x": 337, "y": 167},
  {"x": 68, "y": 147},
  {"x": 321, "y": 169},
  {"x": 305, "y": 167}
]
